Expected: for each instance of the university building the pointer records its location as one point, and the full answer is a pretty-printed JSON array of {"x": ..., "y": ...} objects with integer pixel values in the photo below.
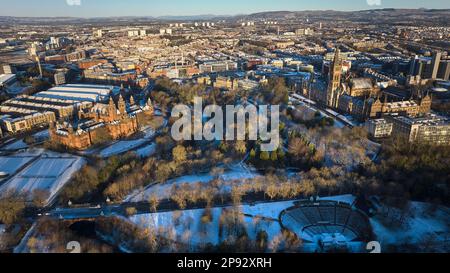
[
  {"x": 379, "y": 128},
  {"x": 430, "y": 129},
  {"x": 411, "y": 108}
]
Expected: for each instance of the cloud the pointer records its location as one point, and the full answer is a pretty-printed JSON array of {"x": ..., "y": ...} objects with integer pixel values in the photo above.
[{"x": 374, "y": 2}]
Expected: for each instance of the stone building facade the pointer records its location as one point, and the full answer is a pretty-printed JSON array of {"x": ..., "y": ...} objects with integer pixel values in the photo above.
[
  {"x": 103, "y": 121},
  {"x": 411, "y": 107}
]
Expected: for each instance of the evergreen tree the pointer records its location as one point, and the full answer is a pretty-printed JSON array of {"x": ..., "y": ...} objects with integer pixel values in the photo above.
[
  {"x": 274, "y": 156},
  {"x": 264, "y": 156}
]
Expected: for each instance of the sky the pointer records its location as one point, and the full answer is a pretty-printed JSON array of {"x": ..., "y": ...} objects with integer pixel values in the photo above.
[{"x": 106, "y": 8}]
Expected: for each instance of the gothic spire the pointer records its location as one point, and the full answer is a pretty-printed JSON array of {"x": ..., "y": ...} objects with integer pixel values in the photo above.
[{"x": 337, "y": 55}]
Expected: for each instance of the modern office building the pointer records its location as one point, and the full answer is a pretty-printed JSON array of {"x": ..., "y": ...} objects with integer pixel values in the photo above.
[
  {"x": 379, "y": 128},
  {"x": 430, "y": 129},
  {"x": 435, "y": 61},
  {"x": 60, "y": 78},
  {"x": 444, "y": 70},
  {"x": 431, "y": 68}
]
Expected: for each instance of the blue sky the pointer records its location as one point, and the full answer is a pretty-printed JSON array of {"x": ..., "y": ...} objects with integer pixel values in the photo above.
[{"x": 97, "y": 8}]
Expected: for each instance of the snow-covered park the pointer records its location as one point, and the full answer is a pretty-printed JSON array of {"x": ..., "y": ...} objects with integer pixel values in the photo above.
[
  {"x": 422, "y": 224},
  {"x": 188, "y": 228},
  {"x": 122, "y": 147},
  {"x": 137, "y": 145},
  {"x": 163, "y": 191},
  {"x": 38, "y": 169}
]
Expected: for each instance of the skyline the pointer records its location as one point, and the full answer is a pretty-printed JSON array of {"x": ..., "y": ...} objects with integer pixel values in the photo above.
[{"x": 115, "y": 8}]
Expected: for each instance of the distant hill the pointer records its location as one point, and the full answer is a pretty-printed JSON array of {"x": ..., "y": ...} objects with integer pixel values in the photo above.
[
  {"x": 375, "y": 16},
  {"x": 386, "y": 11},
  {"x": 192, "y": 17},
  {"x": 388, "y": 15}
]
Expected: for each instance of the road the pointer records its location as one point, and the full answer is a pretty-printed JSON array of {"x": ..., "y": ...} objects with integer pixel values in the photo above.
[
  {"x": 142, "y": 208},
  {"x": 84, "y": 212},
  {"x": 318, "y": 107}
]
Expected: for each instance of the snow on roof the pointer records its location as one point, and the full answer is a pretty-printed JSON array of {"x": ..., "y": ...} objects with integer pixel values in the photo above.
[
  {"x": 401, "y": 104},
  {"x": 431, "y": 120},
  {"x": 100, "y": 108},
  {"x": 80, "y": 92},
  {"x": 88, "y": 90},
  {"x": 58, "y": 95},
  {"x": 361, "y": 83}
]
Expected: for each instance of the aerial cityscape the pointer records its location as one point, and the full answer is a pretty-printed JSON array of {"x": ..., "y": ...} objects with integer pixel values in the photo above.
[{"x": 239, "y": 127}]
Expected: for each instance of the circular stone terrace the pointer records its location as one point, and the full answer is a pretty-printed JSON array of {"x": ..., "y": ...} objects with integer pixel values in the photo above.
[{"x": 326, "y": 222}]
